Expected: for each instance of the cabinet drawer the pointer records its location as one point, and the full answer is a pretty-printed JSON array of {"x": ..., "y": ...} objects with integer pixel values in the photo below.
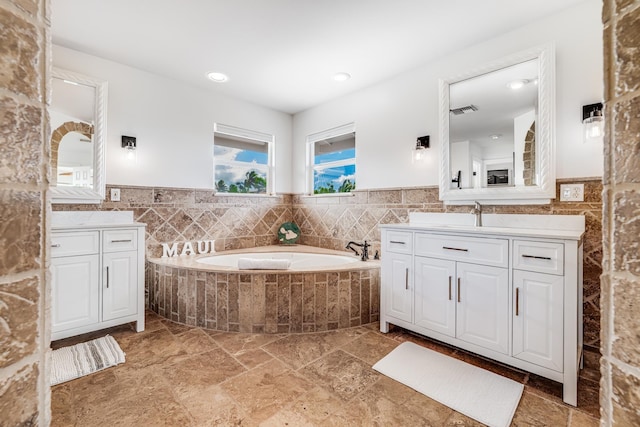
[
  {"x": 400, "y": 242},
  {"x": 543, "y": 257},
  {"x": 120, "y": 240},
  {"x": 74, "y": 243},
  {"x": 462, "y": 248}
]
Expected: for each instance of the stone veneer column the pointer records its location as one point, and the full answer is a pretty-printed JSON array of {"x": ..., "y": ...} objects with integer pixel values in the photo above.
[
  {"x": 24, "y": 212},
  {"x": 620, "y": 303}
]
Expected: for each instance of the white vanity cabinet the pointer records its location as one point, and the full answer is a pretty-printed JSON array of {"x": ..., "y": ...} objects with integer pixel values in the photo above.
[
  {"x": 398, "y": 275},
  {"x": 538, "y": 289},
  {"x": 511, "y": 293},
  {"x": 462, "y": 288},
  {"x": 97, "y": 277},
  {"x": 75, "y": 277}
]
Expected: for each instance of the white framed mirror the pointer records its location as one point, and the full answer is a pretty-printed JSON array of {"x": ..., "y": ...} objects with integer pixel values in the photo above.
[
  {"x": 497, "y": 131},
  {"x": 78, "y": 115}
]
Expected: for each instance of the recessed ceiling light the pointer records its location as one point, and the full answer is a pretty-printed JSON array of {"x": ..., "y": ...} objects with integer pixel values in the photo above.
[
  {"x": 218, "y": 77},
  {"x": 495, "y": 136},
  {"x": 517, "y": 84},
  {"x": 341, "y": 77}
]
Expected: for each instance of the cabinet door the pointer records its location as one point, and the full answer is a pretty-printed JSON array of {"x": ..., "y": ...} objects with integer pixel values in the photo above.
[
  {"x": 397, "y": 283},
  {"x": 483, "y": 306},
  {"x": 435, "y": 295},
  {"x": 537, "y": 318},
  {"x": 119, "y": 291},
  {"x": 75, "y": 291}
]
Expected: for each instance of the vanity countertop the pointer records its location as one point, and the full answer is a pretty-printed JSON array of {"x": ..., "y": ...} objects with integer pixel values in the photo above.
[
  {"x": 565, "y": 227},
  {"x": 93, "y": 225},
  {"x": 73, "y": 220}
]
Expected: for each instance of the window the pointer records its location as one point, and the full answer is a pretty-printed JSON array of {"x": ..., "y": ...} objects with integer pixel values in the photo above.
[
  {"x": 332, "y": 161},
  {"x": 243, "y": 161}
]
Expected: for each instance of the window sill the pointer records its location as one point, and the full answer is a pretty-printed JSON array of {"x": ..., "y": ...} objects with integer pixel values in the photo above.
[{"x": 349, "y": 194}]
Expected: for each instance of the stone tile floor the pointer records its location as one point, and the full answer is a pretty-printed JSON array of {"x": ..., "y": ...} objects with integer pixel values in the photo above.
[{"x": 176, "y": 375}]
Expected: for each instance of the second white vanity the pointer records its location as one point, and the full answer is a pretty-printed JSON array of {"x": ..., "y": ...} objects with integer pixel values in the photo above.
[
  {"x": 510, "y": 290},
  {"x": 97, "y": 272}
]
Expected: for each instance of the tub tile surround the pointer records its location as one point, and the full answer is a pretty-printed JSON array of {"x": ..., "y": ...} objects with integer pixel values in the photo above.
[
  {"x": 329, "y": 222},
  {"x": 259, "y": 302}
]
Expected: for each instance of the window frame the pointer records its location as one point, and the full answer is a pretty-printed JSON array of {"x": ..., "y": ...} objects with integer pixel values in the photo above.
[
  {"x": 311, "y": 167},
  {"x": 249, "y": 136}
]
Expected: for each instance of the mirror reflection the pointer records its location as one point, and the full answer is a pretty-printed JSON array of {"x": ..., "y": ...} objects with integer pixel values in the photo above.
[
  {"x": 75, "y": 160},
  {"x": 72, "y": 114},
  {"x": 78, "y": 117},
  {"x": 492, "y": 122}
]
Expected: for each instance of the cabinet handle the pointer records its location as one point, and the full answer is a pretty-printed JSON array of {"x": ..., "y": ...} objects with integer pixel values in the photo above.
[
  {"x": 122, "y": 241},
  {"x": 455, "y": 249},
  {"x": 449, "y": 288},
  {"x": 537, "y": 257},
  {"x": 56, "y": 245},
  {"x": 517, "y": 301},
  {"x": 107, "y": 277},
  {"x": 406, "y": 278},
  {"x": 398, "y": 242},
  {"x": 458, "y": 289}
]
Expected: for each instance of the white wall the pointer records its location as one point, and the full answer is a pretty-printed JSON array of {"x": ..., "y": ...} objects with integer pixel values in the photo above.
[
  {"x": 390, "y": 115},
  {"x": 173, "y": 123}
]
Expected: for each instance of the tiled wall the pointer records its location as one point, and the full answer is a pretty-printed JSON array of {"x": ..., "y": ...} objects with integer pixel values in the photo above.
[
  {"x": 330, "y": 221},
  {"x": 181, "y": 215},
  {"x": 24, "y": 160},
  {"x": 620, "y": 365}
]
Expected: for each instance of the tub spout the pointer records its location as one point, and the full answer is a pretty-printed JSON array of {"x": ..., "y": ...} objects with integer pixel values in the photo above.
[
  {"x": 365, "y": 249},
  {"x": 349, "y": 246}
]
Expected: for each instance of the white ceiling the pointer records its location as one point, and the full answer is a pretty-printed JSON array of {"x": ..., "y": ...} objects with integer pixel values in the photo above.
[{"x": 282, "y": 54}]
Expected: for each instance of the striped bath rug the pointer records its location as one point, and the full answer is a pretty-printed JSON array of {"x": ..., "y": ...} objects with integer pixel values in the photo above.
[{"x": 68, "y": 363}]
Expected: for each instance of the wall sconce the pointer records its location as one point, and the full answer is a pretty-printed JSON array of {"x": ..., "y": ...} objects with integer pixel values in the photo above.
[
  {"x": 129, "y": 145},
  {"x": 593, "y": 121},
  {"x": 422, "y": 143}
]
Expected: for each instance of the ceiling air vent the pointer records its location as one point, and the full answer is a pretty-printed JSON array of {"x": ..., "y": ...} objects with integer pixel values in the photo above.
[{"x": 464, "y": 110}]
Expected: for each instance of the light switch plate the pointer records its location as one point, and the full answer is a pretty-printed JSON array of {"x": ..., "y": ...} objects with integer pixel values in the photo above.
[
  {"x": 115, "y": 194},
  {"x": 572, "y": 192}
]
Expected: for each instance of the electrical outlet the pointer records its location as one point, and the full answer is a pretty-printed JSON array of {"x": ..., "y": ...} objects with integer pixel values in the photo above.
[
  {"x": 572, "y": 192},
  {"x": 115, "y": 194}
]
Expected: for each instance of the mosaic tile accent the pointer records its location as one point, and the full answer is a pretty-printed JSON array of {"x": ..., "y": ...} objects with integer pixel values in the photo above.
[{"x": 265, "y": 303}]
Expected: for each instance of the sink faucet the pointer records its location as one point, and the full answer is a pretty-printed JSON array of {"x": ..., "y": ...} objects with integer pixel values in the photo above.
[
  {"x": 477, "y": 211},
  {"x": 365, "y": 249}
]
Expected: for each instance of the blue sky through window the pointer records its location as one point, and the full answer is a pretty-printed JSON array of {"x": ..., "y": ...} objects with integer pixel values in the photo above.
[
  {"x": 233, "y": 164},
  {"x": 336, "y": 155}
]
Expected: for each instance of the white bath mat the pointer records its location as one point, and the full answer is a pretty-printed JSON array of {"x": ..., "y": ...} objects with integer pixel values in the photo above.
[
  {"x": 479, "y": 394},
  {"x": 68, "y": 363}
]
